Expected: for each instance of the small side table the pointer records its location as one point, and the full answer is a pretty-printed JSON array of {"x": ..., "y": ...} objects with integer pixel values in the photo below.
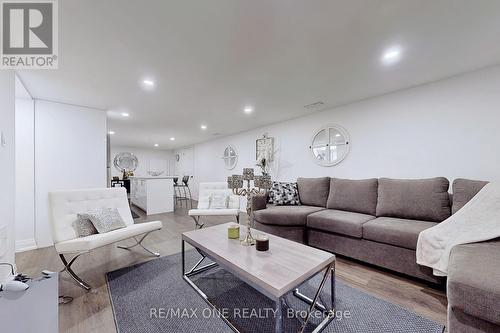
[{"x": 121, "y": 183}]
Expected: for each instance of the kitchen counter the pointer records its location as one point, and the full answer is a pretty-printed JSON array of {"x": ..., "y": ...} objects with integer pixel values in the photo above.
[{"x": 154, "y": 195}]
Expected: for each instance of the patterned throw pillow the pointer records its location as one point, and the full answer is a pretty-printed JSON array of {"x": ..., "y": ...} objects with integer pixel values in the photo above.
[
  {"x": 106, "y": 219},
  {"x": 284, "y": 194},
  {"x": 84, "y": 226}
]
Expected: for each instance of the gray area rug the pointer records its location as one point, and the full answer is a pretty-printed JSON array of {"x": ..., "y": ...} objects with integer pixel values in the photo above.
[{"x": 153, "y": 297}]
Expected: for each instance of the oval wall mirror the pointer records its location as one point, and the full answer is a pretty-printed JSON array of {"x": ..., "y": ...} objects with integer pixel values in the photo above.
[
  {"x": 330, "y": 145},
  {"x": 230, "y": 157}
]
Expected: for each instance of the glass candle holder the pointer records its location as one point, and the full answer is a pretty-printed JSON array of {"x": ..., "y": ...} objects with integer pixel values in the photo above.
[
  {"x": 230, "y": 182},
  {"x": 248, "y": 174},
  {"x": 262, "y": 243},
  {"x": 237, "y": 181},
  {"x": 233, "y": 231},
  {"x": 257, "y": 181},
  {"x": 266, "y": 182}
]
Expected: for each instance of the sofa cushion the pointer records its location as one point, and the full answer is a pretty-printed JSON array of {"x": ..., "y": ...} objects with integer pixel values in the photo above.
[
  {"x": 418, "y": 199},
  {"x": 473, "y": 275},
  {"x": 314, "y": 191},
  {"x": 394, "y": 231},
  {"x": 285, "y": 215},
  {"x": 463, "y": 191},
  {"x": 358, "y": 196},
  {"x": 338, "y": 221}
]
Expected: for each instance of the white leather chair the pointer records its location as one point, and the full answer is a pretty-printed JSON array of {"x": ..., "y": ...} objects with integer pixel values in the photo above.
[
  {"x": 65, "y": 205},
  {"x": 203, "y": 209}
]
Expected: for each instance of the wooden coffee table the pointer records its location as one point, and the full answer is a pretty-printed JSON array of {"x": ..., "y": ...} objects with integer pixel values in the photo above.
[{"x": 274, "y": 273}]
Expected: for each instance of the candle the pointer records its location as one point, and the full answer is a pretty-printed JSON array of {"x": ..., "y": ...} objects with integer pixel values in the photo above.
[
  {"x": 262, "y": 243},
  {"x": 233, "y": 231}
]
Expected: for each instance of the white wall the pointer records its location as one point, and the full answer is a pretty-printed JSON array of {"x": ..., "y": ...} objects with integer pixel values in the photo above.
[
  {"x": 448, "y": 128},
  {"x": 25, "y": 169},
  {"x": 185, "y": 165},
  {"x": 70, "y": 153},
  {"x": 149, "y": 159},
  {"x": 7, "y": 169}
]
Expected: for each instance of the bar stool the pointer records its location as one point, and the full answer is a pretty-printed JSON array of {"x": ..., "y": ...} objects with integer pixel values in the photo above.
[
  {"x": 182, "y": 192},
  {"x": 176, "y": 195}
]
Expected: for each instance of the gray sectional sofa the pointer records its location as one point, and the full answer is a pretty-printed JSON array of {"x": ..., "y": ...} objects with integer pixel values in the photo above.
[
  {"x": 373, "y": 220},
  {"x": 378, "y": 221}
]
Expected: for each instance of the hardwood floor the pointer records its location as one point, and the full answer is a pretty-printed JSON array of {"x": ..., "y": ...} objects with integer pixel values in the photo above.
[{"x": 91, "y": 312}]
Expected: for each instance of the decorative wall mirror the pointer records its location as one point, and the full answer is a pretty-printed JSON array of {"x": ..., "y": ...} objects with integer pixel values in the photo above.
[
  {"x": 330, "y": 145},
  {"x": 230, "y": 157},
  {"x": 125, "y": 162}
]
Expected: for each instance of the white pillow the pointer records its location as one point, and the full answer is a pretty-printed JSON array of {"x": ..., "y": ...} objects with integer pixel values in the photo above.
[{"x": 218, "y": 201}]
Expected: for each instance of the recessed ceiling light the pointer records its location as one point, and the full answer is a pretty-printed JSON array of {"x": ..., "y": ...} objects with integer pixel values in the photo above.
[
  {"x": 392, "y": 55},
  {"x": 172, "y": 139},
  {"x": 248, "y": 109},
  {"x": 203, "y": 127},
  {"x": 147, "y": 84},
  {"x": 125, "y": 114},
  {"x": 156, "y": 145},
  {"x": 111, "y": 132}
]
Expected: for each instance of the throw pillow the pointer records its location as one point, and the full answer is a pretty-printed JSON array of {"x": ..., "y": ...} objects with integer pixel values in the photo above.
[
  {"x": 285, "y": 194},
  {"x": 218, "y": 201},
  {"x": 106, "y": 219},
  {"x": 84, "y": 226},
  {"x": 271, "y": 193}
]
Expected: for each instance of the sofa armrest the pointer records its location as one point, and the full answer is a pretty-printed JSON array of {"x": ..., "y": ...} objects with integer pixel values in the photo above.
[
  {"x": 473, "y": 275},
  {"x": 259, "y": 202}
]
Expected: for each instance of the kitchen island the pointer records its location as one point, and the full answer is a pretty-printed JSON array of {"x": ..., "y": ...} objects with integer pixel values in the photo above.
[{"x": 154, "y": 195}]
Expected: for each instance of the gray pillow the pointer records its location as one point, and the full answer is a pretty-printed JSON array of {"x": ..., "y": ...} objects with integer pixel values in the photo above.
[
  {"x": 358, "y": 196},
  {"x": 84, "y": 226},
  {"x": 415, "y": 199},
  {"x": 106, "y": 219}
]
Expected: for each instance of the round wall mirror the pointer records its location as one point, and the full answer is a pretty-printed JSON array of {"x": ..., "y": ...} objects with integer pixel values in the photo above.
[
  {"x": 230, "y": 157},
  {"x": 125, "y": 162},
  {"x": 330, "y": 145}
]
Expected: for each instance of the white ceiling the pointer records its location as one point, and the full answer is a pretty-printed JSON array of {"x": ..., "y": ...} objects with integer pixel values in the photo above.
[{"x": 211, "y": 58}]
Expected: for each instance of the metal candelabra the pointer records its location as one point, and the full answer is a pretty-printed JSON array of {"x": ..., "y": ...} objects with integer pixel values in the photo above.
[{"x": 261, "y": 186}]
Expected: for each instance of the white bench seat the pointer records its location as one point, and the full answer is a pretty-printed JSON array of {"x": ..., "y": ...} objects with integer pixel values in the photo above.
[
  {"x": 85, "y": 244},
  {"x": 204, "y": 195},
  {"x": 65, "y": 207}
]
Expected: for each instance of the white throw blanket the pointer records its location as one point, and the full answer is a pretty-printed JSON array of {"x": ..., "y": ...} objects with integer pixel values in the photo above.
[{"x": 477, "y": 221}]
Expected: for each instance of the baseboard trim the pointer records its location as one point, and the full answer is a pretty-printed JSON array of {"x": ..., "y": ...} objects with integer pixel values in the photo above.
[{"x": 25, "y": 245}]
